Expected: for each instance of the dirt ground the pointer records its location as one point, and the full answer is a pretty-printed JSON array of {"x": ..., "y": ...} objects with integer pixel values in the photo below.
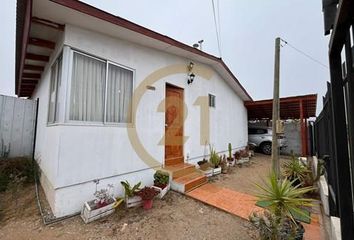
[
  {"x": 243, "y": 179},
  {"x": 174, "y": 217}
]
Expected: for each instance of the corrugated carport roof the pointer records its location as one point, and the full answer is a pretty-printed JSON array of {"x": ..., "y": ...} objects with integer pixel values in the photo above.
[{"x": 290, "y": 107}]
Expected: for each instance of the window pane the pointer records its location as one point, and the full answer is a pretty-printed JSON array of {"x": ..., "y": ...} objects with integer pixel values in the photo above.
[
  {"x": 119, "y": 94},
  {"x": 87, "y": 89},
  {"x": 211, "y": 100},
  {"x": 53, "y": 92},
  {"x": 58, "y": 83},
  {"x": 55, "y": 78}
]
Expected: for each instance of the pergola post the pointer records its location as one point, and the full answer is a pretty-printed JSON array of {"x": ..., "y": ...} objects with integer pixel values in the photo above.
[{"x": 303, "y": 130}]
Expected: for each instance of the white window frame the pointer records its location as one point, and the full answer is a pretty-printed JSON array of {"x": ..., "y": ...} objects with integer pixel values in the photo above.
[
  {"x": 57, "y": 88},
  {"x": 104, "y": 122},
  {"x": 105, "y": 96}
]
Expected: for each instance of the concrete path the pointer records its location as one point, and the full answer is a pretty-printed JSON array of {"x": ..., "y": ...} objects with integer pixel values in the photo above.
[{"x": 242, "y": 205}]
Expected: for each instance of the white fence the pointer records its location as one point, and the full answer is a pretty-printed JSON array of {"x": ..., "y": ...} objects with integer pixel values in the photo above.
[{"x": 17, "y": 124}]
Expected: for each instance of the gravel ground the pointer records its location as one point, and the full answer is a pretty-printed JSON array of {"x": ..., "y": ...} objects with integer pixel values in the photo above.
[{"x": 175, "y": 217}]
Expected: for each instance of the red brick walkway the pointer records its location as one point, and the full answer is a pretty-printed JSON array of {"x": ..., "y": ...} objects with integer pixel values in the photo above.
[{"x": 242, "y": 205}]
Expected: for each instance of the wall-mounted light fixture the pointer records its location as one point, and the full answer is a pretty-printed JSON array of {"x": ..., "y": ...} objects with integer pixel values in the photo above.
[
  {"x": 190, "y": 78},
  {"x": 191, "y": 75}
]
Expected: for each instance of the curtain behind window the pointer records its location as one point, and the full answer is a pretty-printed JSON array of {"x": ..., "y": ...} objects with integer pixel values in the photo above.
[
  {"x": 119, "y": 94},
  {"x": 55, "y": 81},
  {"x": 53, "y": 92},
  {"x": 87, "y": 89}
]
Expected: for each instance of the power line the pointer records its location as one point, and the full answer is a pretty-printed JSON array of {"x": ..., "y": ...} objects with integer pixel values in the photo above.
[
  {"x": 219, "y": 25},
  {"x": 216, "y": 28},
  {"x": 305, "y": 54}
]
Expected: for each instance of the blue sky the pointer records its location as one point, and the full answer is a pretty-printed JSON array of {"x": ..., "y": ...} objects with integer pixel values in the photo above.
[{"x": 248, "y": 29}]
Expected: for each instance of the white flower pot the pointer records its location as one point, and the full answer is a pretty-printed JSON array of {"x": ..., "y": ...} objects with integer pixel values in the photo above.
[
  {"x": 243, "y": 160},
  {"x": 231, "y": 163},
  {"x": 90, "y": 213},
  {"x": 208, "y": 172},
  {"x": 162, "y": 192},
  {"x": 216, "y": 171},
  {"x": 133, "y": 201}
]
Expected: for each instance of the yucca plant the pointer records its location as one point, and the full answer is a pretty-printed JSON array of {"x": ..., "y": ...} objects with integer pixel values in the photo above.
[
  {"x": 284, "y": 201},
  {"x": 282, "y": 198},
  {"x": 295, "y": 170}
]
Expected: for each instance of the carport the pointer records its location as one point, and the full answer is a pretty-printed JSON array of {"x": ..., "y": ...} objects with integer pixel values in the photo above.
[{"x": 296, "y": 107}]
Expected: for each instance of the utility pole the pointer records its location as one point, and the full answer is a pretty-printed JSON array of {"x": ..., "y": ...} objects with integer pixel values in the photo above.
[{"x": 275, "y": 117}]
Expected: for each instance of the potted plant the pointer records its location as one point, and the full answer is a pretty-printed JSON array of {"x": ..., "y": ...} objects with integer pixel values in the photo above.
[
  {"x": 202, "y": 162},
  {"x": 230, "y": 159},
  {"x": 131, "y": 198},
  {"x": 101, "y": 206},
  {"x": 295, "y": 171},
  {"x": 215, "y": 161},
  {"x": 244, "y": 156},
  {"x": 206, "y": 169},
  {"x": 161, "y": 182},
  {"x": 283, "y": 200},
  {"x": 313, "y": 174},
  {"x": 224, "y": 165},
  {"x": 147, "y": 194},
  {"x": 237, "y": 157}
]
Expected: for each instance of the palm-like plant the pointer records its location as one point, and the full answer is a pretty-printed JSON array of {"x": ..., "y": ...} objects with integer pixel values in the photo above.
[
  {"x": 284, "y": 199},
  {"x": 296, "y": 171}
]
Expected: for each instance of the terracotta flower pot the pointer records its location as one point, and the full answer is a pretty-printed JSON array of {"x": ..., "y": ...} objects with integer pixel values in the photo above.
[{"x": 147, "y": 204}]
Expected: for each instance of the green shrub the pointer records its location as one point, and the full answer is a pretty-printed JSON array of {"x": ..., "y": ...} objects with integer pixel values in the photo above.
[{"x": 12, "y": 169}]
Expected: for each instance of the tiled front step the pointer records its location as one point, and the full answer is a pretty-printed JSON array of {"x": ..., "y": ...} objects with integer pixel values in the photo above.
[
  {"x": 180, "y": 170},
  {"x": 188, "y": 182}
]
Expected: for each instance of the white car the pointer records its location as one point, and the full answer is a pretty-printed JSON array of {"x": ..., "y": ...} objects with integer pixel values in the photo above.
[{"x": 261, "y": 137}]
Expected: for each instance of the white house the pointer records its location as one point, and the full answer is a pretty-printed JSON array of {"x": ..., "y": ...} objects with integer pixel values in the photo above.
[{"x": 102, "y": 82}]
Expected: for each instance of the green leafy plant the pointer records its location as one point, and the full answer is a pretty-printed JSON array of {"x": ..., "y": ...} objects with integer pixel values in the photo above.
[
  {"x": 295, "y": 170},
  {"x": 161, "y": 179},
  {"x": 214, "y": 158},
  {"x": 284, "y": 201},
  {"x": 130, "y": 191},
  {"x": 313, "y": 175},
  {"x": 282, "y": 198},
  {"x": 147, "y": 193}
]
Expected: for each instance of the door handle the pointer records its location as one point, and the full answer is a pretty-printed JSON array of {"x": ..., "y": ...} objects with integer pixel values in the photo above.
[{"x": 166, "y": 125}]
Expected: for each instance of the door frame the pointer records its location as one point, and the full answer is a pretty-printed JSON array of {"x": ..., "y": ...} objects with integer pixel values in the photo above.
[{"x": 170, "y": 85}]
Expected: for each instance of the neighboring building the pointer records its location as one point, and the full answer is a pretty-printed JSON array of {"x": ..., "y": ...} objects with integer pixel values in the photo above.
[{"x": 100, "y": 80}]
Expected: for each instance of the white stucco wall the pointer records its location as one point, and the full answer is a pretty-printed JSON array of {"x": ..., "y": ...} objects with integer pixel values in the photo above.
[{"x": 73, "y": 155}]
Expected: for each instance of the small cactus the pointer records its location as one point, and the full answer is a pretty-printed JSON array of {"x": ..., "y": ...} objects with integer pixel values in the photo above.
[{"x": 230, "y": 151}]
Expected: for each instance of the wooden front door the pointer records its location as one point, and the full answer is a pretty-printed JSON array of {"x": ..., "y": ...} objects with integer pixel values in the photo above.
[{"x": 173, "y": 125}]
